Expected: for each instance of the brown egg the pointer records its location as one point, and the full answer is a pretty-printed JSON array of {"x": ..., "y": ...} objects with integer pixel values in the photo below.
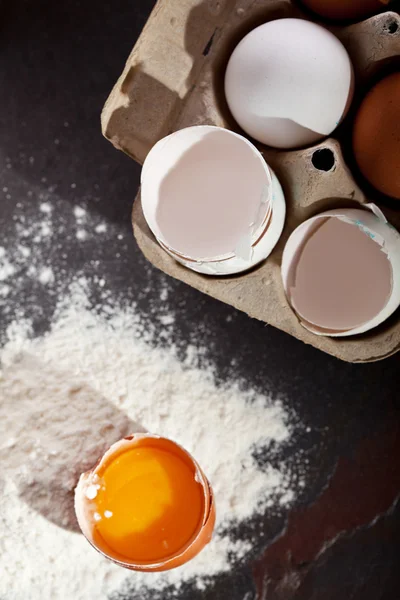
[
  {"x": 345, "y": 9},
  {"x": 376, "y": 136}
]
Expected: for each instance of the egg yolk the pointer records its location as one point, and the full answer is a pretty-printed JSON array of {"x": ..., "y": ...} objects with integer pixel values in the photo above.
[{"x": 148, "y": 505}]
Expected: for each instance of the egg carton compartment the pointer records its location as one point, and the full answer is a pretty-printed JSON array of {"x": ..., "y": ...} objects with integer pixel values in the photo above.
[{"x": 174, "y": 79}]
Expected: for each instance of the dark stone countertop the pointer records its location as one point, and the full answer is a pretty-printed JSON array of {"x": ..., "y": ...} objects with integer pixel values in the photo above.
[{"x": 58, "y": 62}]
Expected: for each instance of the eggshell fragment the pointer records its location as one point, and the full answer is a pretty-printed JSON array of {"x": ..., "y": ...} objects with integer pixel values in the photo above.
[
  {"x": 211, "y": 200},
  {"x": 334, "y": 279},
  {"x": 86, "y": 518},
  {"x": 289, "y": 83}
]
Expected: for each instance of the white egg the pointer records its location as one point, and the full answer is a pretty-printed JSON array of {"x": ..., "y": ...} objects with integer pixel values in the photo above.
[
  {"x": 289, "y": 83},
  {"x": 211, "y": 200},
  {"x": 341, "y": 271}
]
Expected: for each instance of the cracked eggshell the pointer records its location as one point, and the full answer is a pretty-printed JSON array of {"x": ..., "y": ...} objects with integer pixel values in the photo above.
[
  {"x": 211, "y": 200},
  {"x": 289, "y": 83},
  {"x": 372, "y": 223},
  {"x": 86, "y": 491}
]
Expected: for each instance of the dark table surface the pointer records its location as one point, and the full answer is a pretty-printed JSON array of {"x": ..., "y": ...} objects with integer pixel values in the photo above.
[{"x": 58, "y": 62}]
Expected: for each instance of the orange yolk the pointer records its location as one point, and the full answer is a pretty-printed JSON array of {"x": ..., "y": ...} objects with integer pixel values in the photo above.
[{"x": 149, "y": 504}]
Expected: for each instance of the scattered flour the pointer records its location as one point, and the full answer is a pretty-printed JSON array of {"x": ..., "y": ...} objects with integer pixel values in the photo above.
[
  {"x": 164, "y": 294},
  {"x": 6, "y": 267},
  {"x": 66, "y": 396},
  {"x": 80, "y": 213},
  {"x": 45, "y": 207},
  {"x": 46, "y": 275},
  {"x": 101, "y": 228},
  {"x": 101, "y": 372},
  {"x": 26, "y": 251},
  {"x": 167, "y": 319},
  {"x": 81, "y": 235}
]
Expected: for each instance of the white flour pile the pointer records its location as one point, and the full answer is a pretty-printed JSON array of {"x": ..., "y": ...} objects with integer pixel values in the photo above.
[
  {"x": 98, "y": 375},
  {"x": 66, "y": 396}
]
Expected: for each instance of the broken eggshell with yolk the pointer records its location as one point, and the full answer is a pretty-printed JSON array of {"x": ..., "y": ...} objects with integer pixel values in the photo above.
[
  {"x": 93, "y": 485},
  {"x": 211, "y": 200},
  {"x": 341, "y": 271}
]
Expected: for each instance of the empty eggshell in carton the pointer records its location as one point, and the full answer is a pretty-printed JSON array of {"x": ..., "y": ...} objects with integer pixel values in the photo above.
[
  {"x": 289, "y": 83},
  {"x": 211, "y": 200},
  {"x": 345, "y": 279}
]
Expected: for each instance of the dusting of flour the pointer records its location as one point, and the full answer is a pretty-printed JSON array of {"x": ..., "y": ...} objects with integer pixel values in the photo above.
[{"x": 96, "y": 376}]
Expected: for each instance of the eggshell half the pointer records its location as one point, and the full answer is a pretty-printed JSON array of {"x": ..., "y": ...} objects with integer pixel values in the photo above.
[
  {"x": 374, "y": 225},
  {"x": 85, "y": 519},
  {"x": 289, "y": 83},
  {"x": 211, "y": 200}
]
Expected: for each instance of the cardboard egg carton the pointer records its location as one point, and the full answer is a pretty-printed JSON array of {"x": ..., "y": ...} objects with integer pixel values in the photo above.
[{"x": 174, "y": 78}]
